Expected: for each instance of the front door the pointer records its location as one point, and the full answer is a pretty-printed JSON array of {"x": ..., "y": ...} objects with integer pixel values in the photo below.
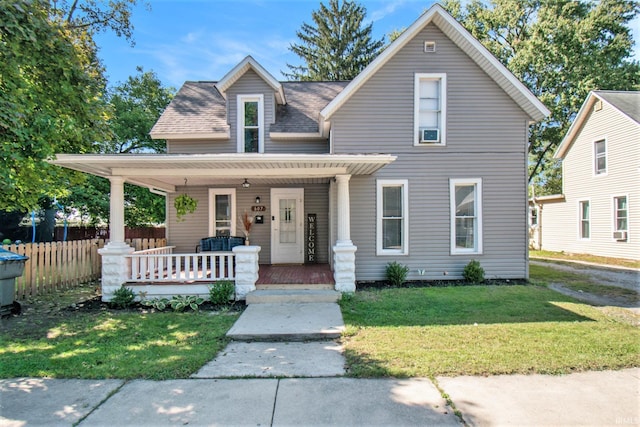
[{"x": 287, "y": 225}]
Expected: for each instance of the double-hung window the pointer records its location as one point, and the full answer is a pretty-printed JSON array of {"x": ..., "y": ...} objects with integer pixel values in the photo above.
[
  {"x": 222, "y": 212},
  {"x": 584, "y": 226},
  {"x": 600, "y": 157},
  {"x": 430, "y": 109},
  {"x": 466, "y": 216},
  {"x": 392, "y": 217},
  {"x": 251, "y": 123},
  {"x": 620, "y": 214}
]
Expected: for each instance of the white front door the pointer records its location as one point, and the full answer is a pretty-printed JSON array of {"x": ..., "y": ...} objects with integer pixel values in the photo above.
[{"x": 287, "y": 225}]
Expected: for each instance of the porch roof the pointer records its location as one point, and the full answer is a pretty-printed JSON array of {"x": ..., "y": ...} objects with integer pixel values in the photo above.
[{"x": 165, "y": 172}]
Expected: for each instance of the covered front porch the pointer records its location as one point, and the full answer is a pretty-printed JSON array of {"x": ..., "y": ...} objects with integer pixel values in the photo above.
[{"x": 188, "y": 272}]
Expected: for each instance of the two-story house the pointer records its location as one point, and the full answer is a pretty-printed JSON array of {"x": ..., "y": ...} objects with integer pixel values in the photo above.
[
  {"x": 421, "y": 159},
  {"x": 598, "y": 211}
]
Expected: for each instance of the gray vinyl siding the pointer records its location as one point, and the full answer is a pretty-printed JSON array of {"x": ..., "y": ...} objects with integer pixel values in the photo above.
[
  {"x": 249, "y": 84},
  {"x": 186, "y": 235},
  {"x": 486, "y": 139},
  {"x": 560, "y": 220}
]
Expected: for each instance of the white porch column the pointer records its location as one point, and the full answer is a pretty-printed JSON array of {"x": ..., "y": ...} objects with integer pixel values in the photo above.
[
  {"x": 344, "y": 252},
  {"x": 344, "y": 211},
  {"x": 246, "y": 269},
  {"x": 115, "y": 267}
]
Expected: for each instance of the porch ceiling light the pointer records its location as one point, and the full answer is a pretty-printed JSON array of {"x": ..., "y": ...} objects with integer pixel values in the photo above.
[{"x": 246, "y": 184}]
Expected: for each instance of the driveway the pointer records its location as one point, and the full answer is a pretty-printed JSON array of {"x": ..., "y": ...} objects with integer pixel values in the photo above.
[{"x": 604, "y": 275}]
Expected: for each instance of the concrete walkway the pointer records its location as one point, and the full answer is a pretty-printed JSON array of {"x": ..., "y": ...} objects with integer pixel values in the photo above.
[{"x": 606, "y": 398}]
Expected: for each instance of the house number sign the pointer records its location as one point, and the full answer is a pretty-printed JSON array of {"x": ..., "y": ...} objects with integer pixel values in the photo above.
[
  {"x": 311, "y": 239},
  {"x": 258, "y": 208}
]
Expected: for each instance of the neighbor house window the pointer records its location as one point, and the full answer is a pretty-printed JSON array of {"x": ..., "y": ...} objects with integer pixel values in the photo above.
[
  {"x": 600, "y": 157},
  {"x": 250, "y": 123},
  {"x": 430, "y": 109},
  {"x": 222, "y": 211},
  {"x": 584, "y": 212},
  {"x": 466, "y": 216},
  {"x": 620, "y": 213},
  {"x": 392, "y": 217},
  {"x": 533, "y": 216}
]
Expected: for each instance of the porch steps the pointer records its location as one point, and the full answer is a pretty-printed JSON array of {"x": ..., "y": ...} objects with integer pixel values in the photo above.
[{"x": 292, "y": 296}]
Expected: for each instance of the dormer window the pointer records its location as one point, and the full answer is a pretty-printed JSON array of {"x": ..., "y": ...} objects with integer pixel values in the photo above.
[{"x": 251, "y": 123}]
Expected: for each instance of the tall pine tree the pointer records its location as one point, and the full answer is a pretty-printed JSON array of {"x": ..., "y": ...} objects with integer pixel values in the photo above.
[{"x": 337, "y": 47}]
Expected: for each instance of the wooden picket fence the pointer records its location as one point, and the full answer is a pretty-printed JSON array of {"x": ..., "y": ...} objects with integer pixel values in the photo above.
[{"x": 62, "y": 265}]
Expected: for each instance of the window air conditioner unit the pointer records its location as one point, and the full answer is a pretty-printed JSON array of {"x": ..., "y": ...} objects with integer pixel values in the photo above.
[
  {"x": 620, "y": 235},
  {"x": 429, "y": 135}
]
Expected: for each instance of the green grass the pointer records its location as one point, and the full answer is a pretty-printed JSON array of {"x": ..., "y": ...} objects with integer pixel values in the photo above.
[
  {"x": 579, "y": 282},
  {"x": 481, "y": 330},
  {"x": 121, "y": 345},
  {"x": 586, "y": 258}
]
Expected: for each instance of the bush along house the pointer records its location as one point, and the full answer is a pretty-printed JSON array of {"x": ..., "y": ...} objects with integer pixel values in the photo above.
[{"x": 421, "y": 160}]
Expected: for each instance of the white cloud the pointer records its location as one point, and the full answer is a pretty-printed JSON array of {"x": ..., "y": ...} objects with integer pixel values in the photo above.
[{"x": 389, "y": 8}]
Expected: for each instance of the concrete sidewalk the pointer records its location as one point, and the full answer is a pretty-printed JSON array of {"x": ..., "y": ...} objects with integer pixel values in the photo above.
[{"x": 589, "y": 398}]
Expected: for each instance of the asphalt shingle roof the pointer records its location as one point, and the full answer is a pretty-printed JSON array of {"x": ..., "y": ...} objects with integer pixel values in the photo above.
[
  {"x": 198, "y": 107},
  {"x": 305, "y": 100},
  {"x": 626, "y": 101}
]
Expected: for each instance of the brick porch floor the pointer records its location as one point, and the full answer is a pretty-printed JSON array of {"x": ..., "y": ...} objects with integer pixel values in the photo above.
[{"x": 308, "y": 274}]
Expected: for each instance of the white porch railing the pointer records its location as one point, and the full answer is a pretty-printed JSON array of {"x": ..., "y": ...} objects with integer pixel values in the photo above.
[{"x": 162, "y": 265}]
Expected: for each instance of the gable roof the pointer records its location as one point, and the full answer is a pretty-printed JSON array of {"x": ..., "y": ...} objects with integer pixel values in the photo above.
[
  {"x": 626, "y": 103},
  {"x": 437, "y": 15},
  {"x": 238, "y": 71},
  {"x": 198, "y": 110}
]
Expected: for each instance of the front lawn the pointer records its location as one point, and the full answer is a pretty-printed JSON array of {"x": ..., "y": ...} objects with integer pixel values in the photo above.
[
  {"x": 481, "y": 330},
  {"x": 115, "y": 344}
]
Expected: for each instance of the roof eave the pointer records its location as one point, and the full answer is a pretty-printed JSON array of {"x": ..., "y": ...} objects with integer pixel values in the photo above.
[{"x": 562, "y": 149}]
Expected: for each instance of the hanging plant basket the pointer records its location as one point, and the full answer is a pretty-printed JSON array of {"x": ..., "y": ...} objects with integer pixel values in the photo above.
[{"x": 184, "y": 204}]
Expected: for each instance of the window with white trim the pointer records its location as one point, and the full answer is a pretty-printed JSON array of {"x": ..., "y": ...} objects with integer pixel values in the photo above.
[
  {"x": 430, "y": 109},
  {"x": 392, "y": 217},
  {"x": 222, "y": 211},
  {"x": 600, "y": 157},
  {"x": 466, "y": 216},
  {"x": 251, "y": 123},
  {"x": 533, "y": 216},
  {"x": 584, "y": 219},
  {"x": 620, "y": 214}
]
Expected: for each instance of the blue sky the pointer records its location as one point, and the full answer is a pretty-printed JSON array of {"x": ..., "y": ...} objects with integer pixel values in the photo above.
[{"x": 204, "y": 39}]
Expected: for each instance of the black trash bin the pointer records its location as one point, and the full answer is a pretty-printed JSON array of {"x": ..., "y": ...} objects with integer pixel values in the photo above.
[{"x": 11, "y": 266}]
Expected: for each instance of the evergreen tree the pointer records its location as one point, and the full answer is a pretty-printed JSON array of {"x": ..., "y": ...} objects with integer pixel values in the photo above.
[{"x": 337, "y": 47}]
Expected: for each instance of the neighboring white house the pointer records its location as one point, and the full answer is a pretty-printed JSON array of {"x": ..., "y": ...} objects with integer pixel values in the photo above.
[
  {"x": 421, "y": 159},
  {"x": 599, "y": 210}
]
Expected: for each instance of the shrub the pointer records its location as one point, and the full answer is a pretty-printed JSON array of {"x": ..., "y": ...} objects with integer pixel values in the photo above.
[
  {"x": 123, "y": 297},
  {"x": 473, "y": 272},
  {"x": 397, "y": 273},
  {"x": 220, "y": 293}
]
